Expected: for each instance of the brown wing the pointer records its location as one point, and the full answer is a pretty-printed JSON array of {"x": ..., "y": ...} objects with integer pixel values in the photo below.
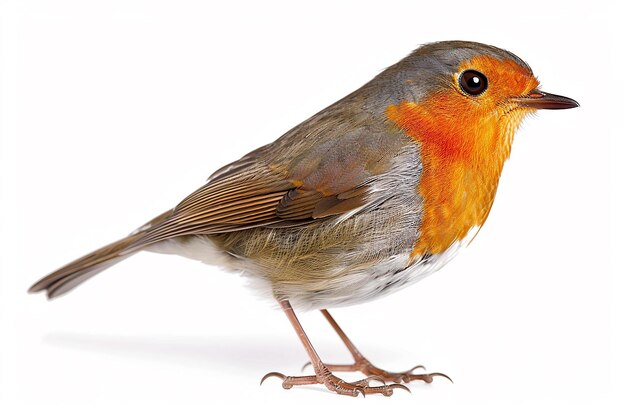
[{"x": 247, "y": 195}]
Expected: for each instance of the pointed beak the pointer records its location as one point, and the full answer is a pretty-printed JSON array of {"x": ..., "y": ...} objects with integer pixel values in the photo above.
[{"x": 539, "y": 100}]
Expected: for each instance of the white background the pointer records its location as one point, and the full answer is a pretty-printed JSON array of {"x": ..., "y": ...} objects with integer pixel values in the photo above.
[{"x": 114, "y": 111}]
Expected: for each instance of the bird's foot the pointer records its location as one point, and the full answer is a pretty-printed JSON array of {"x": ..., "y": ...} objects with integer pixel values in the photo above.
[
  {"x": 335, "y": 384},
  {"x": 365, "y": 367}
]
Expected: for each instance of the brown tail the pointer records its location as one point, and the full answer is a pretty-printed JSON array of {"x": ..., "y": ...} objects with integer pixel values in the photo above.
[{"x": 64, "y": 279}]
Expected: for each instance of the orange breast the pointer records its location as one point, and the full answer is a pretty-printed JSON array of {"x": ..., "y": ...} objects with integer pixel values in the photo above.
[{"x": 462, "y": 154}]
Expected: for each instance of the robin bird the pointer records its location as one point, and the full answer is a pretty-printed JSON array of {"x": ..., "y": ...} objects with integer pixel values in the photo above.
[{"x": 371, "y": 194}]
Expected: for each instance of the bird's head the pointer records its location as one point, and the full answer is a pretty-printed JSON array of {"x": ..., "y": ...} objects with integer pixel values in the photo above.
[{"x": 464, "y": 99}]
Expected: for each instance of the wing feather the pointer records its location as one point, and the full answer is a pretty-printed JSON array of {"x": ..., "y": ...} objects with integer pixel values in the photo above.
[{"x": 236, "y": 202}]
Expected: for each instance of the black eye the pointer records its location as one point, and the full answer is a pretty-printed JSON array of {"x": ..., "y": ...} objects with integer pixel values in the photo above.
[{"x": 473, "y": 82}]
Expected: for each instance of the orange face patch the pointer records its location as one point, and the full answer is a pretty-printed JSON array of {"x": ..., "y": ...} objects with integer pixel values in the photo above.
[
  {"x": 506, "y": 79},
  {"x": 464, "y": 141}
]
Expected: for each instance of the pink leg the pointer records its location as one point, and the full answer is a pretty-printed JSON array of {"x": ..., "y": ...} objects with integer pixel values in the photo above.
[{"x": 322, "y": 374}]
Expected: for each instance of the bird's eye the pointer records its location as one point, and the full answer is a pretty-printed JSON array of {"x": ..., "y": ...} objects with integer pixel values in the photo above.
[{"x": 473, "y": 82}]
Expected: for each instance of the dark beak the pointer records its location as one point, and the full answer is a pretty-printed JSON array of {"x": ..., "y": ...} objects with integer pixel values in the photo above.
[{"x": 539, "y": 100}]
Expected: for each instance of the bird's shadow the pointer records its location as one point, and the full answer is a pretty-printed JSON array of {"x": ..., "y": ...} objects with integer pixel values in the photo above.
[{"x": 235, "y": 353}]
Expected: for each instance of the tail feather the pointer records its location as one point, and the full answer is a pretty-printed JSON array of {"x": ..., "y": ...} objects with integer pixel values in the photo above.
[
  {"x": 71, "y": 275},
  {"x": 75, "y": 273}
]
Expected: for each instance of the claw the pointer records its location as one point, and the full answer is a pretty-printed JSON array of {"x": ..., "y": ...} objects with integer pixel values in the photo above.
[
  {"x": 400, "y": 386},
  {"x": 365, "y": 382},
  {"x": 359, "y": 390},
  {"x": 443, "y": 375},
  {"x": 414, "y": 368},
  {"x": 306, "y": 365},
  {"x": 270, "y": 374},
  {"x": 427, "y": 378}
]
